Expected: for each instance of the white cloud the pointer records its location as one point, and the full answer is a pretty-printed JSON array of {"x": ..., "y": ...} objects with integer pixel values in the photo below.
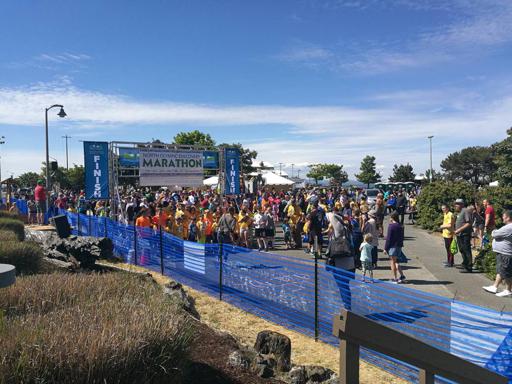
[
  {"x": 477, "y": 27},
  {"x": 394, "y": 132}
]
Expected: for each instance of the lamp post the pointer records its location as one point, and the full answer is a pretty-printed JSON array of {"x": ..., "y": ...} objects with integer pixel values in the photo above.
[
  {"x": 67, "y": 158},
  {"x": 2, "y": 141},
  {"x": 48, "y": 184},
  {"x": 292, "y": 169},
  {"x": 280, "y": 169},
  {"x": 430, "y": 140}
]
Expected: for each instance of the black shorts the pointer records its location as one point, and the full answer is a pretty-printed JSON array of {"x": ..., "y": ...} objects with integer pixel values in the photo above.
[
  {"x": 504, "y": 266},
  {"x": 259, "y": 232}
]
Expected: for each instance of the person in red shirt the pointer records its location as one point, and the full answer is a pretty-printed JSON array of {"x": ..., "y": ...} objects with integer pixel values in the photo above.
[
  {"x": 490, "y": 216},
  {"x": 40, "y": 198}
]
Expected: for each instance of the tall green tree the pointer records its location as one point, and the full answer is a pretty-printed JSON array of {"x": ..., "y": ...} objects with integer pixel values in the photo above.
[
  {"x": 402, "y": 173},
  {"x": 28, "y": 179},
  {"x": 368, "y": 174},
  {"x": 503, "y": 160},
  {"x": 333, "y": 172},
  {"x": 76, "y": 177},
  {"x": 194, "y": 138},
  {"x": 246, "y": 156},
  {"x": 472, "y": 164}
]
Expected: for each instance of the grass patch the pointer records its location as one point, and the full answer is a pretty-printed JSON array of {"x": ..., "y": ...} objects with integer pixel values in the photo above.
[
  {"x": 9, "y": 215},
  {"x": 8, "y": 236},
  {"x": 14, "y": 225},
  {"x": 26, "y": 256},
  {"x": 85, "y": 328}
]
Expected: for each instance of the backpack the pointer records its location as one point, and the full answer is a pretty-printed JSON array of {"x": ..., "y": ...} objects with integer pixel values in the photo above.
[{"x": 339, "y": 246}]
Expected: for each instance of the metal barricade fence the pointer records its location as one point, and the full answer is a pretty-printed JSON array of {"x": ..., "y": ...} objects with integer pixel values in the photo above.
[{"x": 282, "y": 289}]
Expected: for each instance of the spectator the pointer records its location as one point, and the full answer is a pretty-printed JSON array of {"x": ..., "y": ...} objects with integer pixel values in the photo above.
[
  {"x": 447, "y": 228},
  {"x": 401, "y": 205},
  {"x": 502, "y": 245},
  {"x": 371, "y": 227},
  {"x": 40, "y": 198},
  {"x": 490, "y": 216},
  {"x": 463, "y": 230},
  {"x": 394, "y": 245},
  {"x": 366, "y": 255}
]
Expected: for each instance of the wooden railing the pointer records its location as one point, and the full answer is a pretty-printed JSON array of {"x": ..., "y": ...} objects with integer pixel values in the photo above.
[{"x": 356, "y": 331}]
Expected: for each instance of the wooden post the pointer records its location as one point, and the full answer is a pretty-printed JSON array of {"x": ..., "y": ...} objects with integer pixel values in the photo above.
[
  {"x": 349, "y": 362},
  {"x": 426, "y": 377}
]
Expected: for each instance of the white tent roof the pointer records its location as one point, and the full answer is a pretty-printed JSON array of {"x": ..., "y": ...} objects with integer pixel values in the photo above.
[
  {"x": 273, "y": 179},
  {"x": 214, "y": 180}
]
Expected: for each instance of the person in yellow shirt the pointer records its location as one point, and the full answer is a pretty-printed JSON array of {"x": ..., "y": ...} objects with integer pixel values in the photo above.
[
  {"x": 244, "y": 222},
  {"x": 447, "y": 228}
]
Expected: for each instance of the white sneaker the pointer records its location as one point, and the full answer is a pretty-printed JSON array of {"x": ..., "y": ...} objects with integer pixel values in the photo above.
[
  {"x": 504, "y": 293},
  {"x": 491, "y": 289}
]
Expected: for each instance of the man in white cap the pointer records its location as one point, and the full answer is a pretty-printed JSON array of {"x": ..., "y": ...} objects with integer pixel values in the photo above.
[{"x": 463, "y": 231}]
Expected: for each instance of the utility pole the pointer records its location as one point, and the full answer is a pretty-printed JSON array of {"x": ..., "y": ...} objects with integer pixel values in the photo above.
[
  {"x": 280, "y": 169},
  {"x": 292, "y": 169},
  {"x": 67, "y": 159},
  {"x": 431, "y": 174},
  {"x": 2, "y": 141}
]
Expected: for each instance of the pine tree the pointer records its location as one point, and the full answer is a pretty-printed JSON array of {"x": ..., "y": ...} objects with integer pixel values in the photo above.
[{"x": 368, "y": 170}]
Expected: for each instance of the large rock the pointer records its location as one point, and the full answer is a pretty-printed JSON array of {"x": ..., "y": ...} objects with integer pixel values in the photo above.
[
  {"x": 297, "y": 375},
  {"x": 304, "y": 374},
  {"x": 277, "y": 345},
  {"x": 239, "y": 359},
  {"x": 82, "y": 250},
  {"x": 176, "y": 292},
  {"x": 316, "y": 374}
]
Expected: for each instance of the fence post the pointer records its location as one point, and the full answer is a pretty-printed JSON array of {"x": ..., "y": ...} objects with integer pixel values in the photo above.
[
  {"x": 221, "y": 264},
  {"x": 316, "y": 288},
  {"x": 135, "y": 242},
  {"x": 161, "y": 245},
  {"x": 78, "y": 223}
]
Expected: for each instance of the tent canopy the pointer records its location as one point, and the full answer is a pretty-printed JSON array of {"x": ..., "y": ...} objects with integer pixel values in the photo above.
[
  {"x": 214, "y": 180},
  {"x": 273, "y": 179}
]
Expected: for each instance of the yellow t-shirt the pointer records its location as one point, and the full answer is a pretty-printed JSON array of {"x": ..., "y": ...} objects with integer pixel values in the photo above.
[
  {"x": 447, "y": 220},
  {"x": 243, "y": 224}
]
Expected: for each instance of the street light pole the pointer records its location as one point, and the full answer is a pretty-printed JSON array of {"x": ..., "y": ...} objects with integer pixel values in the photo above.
[
  {"x": 48, "y": 184},
  {"x": 280, "y": 169},
  {"x": 67, "y": 158},
  {"x": 292, "y": 170},
  {"x": 2, "y": 141},
  {"x": 431, "y": 174}
]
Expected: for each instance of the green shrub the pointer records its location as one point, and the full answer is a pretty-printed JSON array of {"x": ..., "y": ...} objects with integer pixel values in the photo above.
[
  {"x": 16, "y": 226},
  {"x": 25, "y": 256},
  {"x": 434, "y": 195},
  {"x": 78, "y": 328},
  {"x": 501, "y": 198},
  {"x": 485, "y": 261},
  {"x": 8, "y": 236},
  {"x": 8, "y": 215}
]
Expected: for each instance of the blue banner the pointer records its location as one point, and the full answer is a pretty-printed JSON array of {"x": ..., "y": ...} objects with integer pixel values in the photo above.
[
  {"x": 96, "y": 170},
  {"x": 232, "y": 171}
]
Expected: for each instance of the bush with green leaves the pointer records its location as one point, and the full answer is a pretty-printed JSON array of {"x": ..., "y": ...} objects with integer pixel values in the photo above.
[
  {"x": 26, "y": 256},
  {"x": 434, "y": 195},
  {"x": 16, "y": 226},
  {"x": 8, "y": 215}
]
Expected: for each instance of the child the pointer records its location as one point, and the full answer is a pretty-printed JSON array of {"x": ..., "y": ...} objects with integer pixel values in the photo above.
[
  {"x": 366, "y": 255},
  {"x": 287, "y": 235}
]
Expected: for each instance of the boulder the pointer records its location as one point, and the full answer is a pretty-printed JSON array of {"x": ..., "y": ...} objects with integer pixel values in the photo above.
[
  {"x": 239, "y": 359},
  {"x": 176, "y": 292},
  {"x": 317, "y": 374},
  {"x": 277, "y": 345},
  {"x": 263, "y": 371},
  {"x": 297, "y": 375}
]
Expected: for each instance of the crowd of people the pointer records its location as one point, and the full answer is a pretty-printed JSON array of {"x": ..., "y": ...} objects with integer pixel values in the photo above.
[{"x": 312, "y": 219}]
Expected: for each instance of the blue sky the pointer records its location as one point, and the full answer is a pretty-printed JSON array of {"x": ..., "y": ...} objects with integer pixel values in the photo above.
[{"x": 300, "y": 81}]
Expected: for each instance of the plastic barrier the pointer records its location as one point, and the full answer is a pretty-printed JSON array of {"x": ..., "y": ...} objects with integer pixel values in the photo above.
[{"x": 282, "y": 289}]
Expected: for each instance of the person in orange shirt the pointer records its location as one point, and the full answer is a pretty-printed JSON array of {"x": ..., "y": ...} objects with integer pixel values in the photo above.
[
  {"x": 143, "y": 220},
  {"x": 208, "y": 222},
  {"x": 160, "y": 219}
]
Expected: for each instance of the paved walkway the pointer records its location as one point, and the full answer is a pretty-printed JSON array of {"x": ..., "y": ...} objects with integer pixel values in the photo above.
[{"x": 425, "y": 271}]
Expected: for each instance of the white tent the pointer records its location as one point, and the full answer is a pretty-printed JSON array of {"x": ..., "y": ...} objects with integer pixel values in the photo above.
[
  {"x": 273, "y": 179},
  {"x": 214, "y": 180}
]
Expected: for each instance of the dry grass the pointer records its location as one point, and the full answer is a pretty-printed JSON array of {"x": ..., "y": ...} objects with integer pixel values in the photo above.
[
  {"x": 65, "y": 328},
  {"x": 245, "y": 327}
]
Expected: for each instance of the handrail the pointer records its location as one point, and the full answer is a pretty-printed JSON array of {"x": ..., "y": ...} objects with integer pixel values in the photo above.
[{"x": 355, "y": 331}]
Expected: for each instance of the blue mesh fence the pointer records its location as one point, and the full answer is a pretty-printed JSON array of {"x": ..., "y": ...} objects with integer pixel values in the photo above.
[{"x": 282, "y": 289}]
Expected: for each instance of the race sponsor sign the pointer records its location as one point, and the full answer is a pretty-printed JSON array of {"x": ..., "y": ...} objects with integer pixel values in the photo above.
[{"x": 165, "y": 167}]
